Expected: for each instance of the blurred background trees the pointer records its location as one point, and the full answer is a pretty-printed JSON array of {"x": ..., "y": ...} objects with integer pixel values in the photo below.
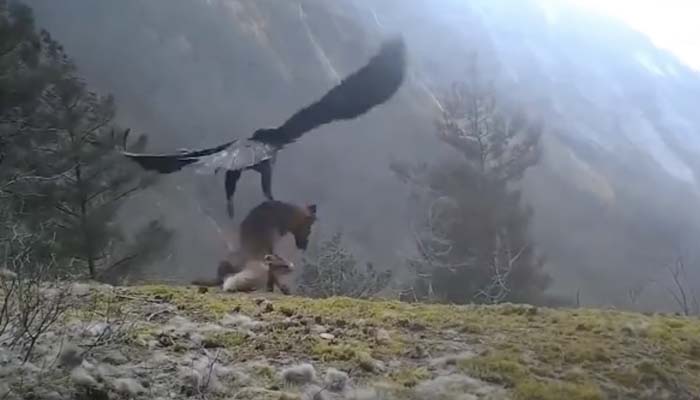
[
  {"x": 61, "y": 180},
  {"x": 471, "y": 233}
]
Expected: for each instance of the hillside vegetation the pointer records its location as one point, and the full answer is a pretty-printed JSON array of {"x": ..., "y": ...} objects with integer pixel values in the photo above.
[{"x": 161, "y": 342}]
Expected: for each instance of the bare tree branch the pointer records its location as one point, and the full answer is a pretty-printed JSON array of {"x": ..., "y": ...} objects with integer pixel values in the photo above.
[{"x": 685, "y": 298}]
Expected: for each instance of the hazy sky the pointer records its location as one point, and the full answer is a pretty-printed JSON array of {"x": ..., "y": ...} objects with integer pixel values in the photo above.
[{"x": 671, "y": 24}]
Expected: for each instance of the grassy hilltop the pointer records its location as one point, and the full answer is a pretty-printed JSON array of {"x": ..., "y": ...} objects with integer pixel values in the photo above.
[{"x": 176, "y": 342}]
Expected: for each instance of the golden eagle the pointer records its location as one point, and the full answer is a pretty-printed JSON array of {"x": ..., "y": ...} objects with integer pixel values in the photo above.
[{"x": 371, "y": 85}]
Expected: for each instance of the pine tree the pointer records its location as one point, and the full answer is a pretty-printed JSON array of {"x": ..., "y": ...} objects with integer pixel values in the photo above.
[
  {"x": 332, "y": 270},
  {"x": 62, "y": 177},
  {"x": 24, "y": 75},
  {"x": 95, "y": 178},
  {"x": 472, "y": 239}
]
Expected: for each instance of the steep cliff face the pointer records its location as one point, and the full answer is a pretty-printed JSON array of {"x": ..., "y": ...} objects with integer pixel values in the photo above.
[{"x": 621, "y": 144}]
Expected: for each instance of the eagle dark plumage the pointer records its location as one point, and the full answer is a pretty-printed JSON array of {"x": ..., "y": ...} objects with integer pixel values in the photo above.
[{"x": 366, "y": 88}]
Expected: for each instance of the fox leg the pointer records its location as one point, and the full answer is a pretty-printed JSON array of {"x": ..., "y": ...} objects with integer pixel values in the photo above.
[
  {"x": 232, "y": 177},
  {"x": 273, "y": 281},
  {"x": 283, "y": 288},
  {"x": 270, "y": 281}
]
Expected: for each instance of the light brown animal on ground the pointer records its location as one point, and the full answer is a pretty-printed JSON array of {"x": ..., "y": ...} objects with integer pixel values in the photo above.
[
  {"x": 275, "y": 266},
  {"x": 265, "y": 225},
  {"x": 257, "y": 274}
]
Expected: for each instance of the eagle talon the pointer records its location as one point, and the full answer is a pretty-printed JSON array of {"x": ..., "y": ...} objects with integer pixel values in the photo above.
[{"x": 229, "y": 209}]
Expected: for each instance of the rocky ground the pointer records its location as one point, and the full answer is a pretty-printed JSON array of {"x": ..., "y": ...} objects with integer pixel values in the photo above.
[{"x": 162, "y": 342}]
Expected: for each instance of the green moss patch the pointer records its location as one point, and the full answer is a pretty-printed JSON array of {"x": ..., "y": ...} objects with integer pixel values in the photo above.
[
  {"x": 535, "y": 390},
  {"x": 537, "y": 353}
]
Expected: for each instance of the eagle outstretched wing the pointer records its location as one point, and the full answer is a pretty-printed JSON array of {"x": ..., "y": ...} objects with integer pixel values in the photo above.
[
  {"x": 172, "y": 162},
  {"x": 371, "y": 85}
]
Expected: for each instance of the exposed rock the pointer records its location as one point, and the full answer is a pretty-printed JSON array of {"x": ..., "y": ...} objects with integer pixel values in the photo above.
[
  {"x": 53, "y": 395},
  {"x": 70, "y": 356},
  {"x": 97, "y": 329},
  {"x": 286, "y": 311},
  {"x": 165, "y": 340},
  {"x": 450, "y": 386},
  {"x": 267, "y": 306},
  {"x": 301, "y": 374},
  {"x": 263, "y": 394},
  {"x": 91, "y": 393},
  {"x": 340, "y": 323},
  {"x": 335, "y": 380},
  {"x": 105, "y": 372},
  {"x": 128, "y": 387},
  {"x": 6, "y": 274},
  {"x": 4, "y": 390},
  {"x": 81, "y": 377},
  {"x": 364, "y": 394},
  {"x": 80, "y": 289},
  {"x": 115, "y": 357},
  {"x": 451, "y": 359},
  {"x": 382, "y": 336},
  {"x": 411, "y": 325},
  {"x": 367, "y": 363},
  {"x": 314, "y": 392},
  {"x": 239, "y": 320}
]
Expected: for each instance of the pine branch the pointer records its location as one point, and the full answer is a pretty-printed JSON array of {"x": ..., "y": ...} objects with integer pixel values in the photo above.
[
  {"x": 119, "y": 197},
  {"x": 65, "y": 210}
]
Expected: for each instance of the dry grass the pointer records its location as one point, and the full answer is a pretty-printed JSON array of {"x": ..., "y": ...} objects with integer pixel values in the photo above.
[{"x": 536, "y": 353}]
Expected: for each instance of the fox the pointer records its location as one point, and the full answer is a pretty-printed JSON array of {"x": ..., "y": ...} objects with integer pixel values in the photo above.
[
  {"x": 256, "y": 273},
  {"x": 275, "y": 266},
  {"x": 265, "y": 225}
]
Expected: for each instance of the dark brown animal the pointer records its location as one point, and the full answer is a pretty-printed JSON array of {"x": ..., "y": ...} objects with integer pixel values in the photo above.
[
  {"x": 269, "y": 221},
  {"x": 259, "y": 232}
]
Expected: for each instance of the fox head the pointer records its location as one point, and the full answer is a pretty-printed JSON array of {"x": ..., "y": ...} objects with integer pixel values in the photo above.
[
  {"x": 278, "y": 263},
  {"x": 302, "y": 228}
]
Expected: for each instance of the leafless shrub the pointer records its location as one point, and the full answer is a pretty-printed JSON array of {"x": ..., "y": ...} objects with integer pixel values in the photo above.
[
  {"x": 635, "y": 292},
  {"x": 202, "y": 376},
  {"x": 503, "y": 259},
  {"x": 33, "y": 300},
  {"x": 210, "y": 371},
  {"x": 683, "y": 295},
  {"x": 334, "y": 271},
  {"x": 578, "y": 298},
  {"x": 108, "y": 321},
  {"x": 8, "y": 286},
  {"x": 433, "y": 246},
  {"x": 31, "y": 307}
]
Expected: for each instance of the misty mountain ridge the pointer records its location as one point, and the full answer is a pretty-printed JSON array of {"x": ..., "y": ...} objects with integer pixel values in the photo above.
[{"x": 621, "y": 141}]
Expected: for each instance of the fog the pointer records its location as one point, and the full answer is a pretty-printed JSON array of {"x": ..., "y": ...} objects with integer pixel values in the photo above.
[{"x": 615, "y": 197}]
